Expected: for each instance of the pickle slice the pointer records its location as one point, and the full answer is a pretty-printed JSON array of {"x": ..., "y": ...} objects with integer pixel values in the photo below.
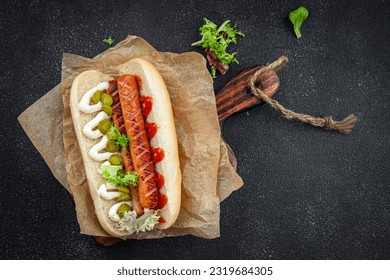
[{"x": 122, "y": 209}]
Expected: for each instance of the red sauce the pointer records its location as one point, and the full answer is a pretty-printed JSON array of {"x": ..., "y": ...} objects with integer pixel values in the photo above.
[
  {"x": 162, "y": 201},
  {"x": 146, "y": 104},
  {"x": 158, "y": 155},
  {"x": 151, "y": 130},
  {"x": 139, "y": 82},
  {"x": 161, "y": 220},
  {"x": 160, "y": 180}
]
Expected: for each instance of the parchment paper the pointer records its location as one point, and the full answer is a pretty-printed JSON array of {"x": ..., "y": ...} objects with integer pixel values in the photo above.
[{"x": 208, "y": 177}]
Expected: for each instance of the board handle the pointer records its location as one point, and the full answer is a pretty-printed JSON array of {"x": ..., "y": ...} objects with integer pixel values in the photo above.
[{"x": 235, "y": 97}]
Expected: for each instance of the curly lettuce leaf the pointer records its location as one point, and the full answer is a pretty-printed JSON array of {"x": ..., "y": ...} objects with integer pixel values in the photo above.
[
  {"x": 128, "y": 222},
  {"x": 114, "y": 174},
  {"x": 131, "y": 224},
  {"x": 148, "y": 220},
  {"x": 215, "y": 41},
  {"x": 121, "y": 139}
]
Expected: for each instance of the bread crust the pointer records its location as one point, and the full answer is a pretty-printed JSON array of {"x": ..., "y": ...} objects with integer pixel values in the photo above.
[{"x": 154, "y": 86}]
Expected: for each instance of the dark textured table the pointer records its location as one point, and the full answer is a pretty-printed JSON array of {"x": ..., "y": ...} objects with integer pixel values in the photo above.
[{"x": 308, "y": 193}]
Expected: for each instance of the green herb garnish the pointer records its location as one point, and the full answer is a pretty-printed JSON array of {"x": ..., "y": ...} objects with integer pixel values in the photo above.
[
  {"x": 297, "y": 17},
  {"x": 109, "y": 41},
  {"x": 215, "y": 41},
  {"x": 114, "y": 174},
  {"x": 117, "y": 138},
  {"x": 213, "y": 71}
]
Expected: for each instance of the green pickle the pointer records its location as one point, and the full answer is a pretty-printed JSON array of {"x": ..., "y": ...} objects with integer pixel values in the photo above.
[
  {"x": 104, "y": 126},
  {"x": 124, "y": 197},
  {"x": 106, "y": 99},
  {"x": 123, "y": 189},
  {"x": 107, "y": 109},
  {"x": 115, "y": 159},
  {"x": 96, "y": 96},
  {"x": 112, "y": 147},
  {"x": 122, "y": 209}
]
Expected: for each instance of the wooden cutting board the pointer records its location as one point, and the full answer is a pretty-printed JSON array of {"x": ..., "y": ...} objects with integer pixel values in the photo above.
[{"x": 232, "y": 98}]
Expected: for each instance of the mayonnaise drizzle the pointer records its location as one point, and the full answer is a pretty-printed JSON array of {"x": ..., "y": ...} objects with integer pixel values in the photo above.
[
  {"x": 84, "y": 105},
  {"x": 94, "y": 152},
  {"x": 99, "y": 170},
  {"x": 102, "y": 191},
  {"x": 112, "y": 212},
  {"x": 88, "y": 128}
]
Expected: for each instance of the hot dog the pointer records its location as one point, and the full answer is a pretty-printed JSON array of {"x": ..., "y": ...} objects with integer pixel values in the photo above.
[
  {"x": 129, "y": 122},
  {"x": 140, "y": 150},
  {"x": 119, "y": 122}
]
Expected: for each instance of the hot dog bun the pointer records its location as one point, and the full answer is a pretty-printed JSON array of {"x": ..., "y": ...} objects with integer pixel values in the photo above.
[{"x": 165, "y": 138}]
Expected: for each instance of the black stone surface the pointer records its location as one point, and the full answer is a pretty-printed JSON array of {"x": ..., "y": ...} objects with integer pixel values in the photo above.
[{"x": 308, "y": 193}]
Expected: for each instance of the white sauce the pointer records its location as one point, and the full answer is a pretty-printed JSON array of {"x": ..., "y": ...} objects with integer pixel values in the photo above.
[
  {"x": 102, "y": 191},
  {"x": 114, "y": 208},
  {"x": 99, "y": 170},
  {"x": 95, "y": 154},
  {"x": 89, "y": 127},
  {"x": 84, "y": 105}
]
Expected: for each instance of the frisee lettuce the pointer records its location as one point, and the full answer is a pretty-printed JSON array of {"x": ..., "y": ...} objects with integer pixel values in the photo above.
[
  {"x": 148, "y": 220},
  {"x": 131, "y": 224},
  {"x": 114, "y": 174},
  {"x": 128, "y": 222},
  {"x": 216, "y": 40},
  {"x": 121, "y": 140}
]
